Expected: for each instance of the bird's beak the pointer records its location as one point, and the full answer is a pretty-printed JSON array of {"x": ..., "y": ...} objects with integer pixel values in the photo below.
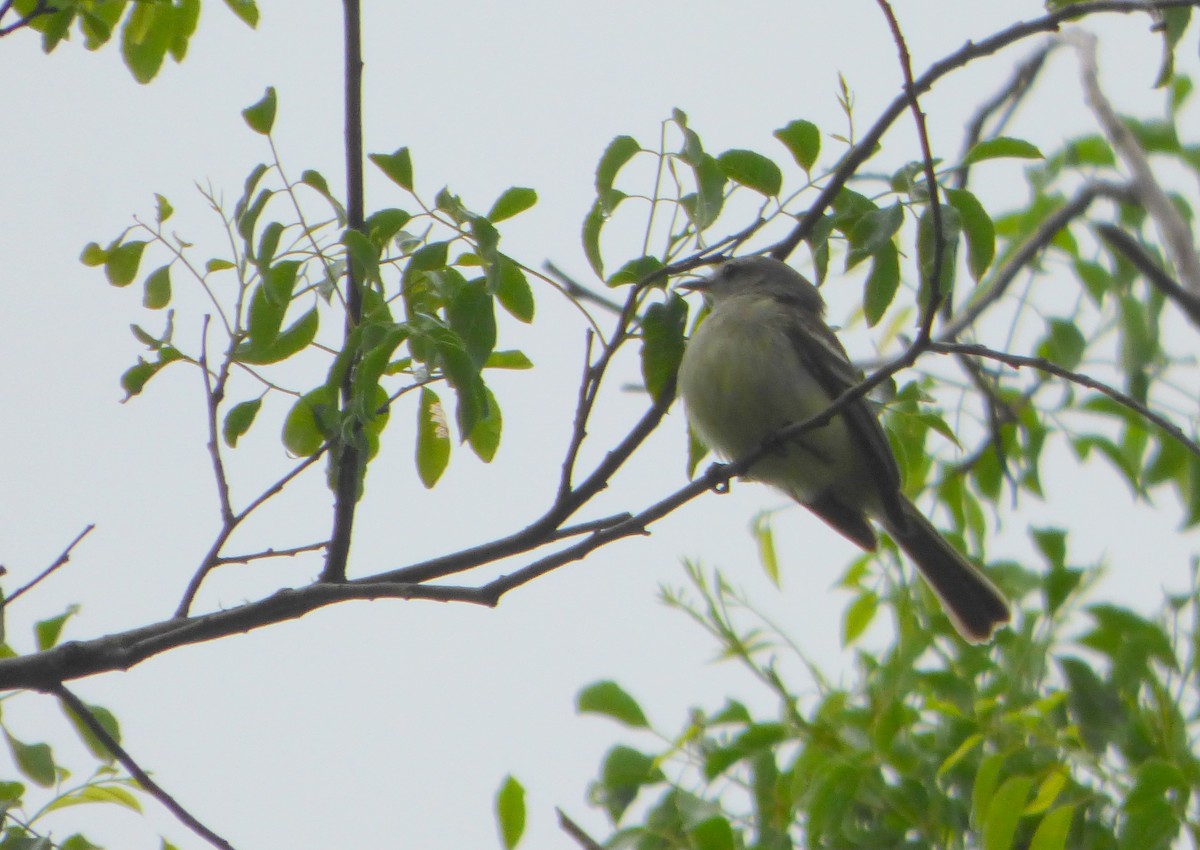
[{"x": 700, "y": 284}]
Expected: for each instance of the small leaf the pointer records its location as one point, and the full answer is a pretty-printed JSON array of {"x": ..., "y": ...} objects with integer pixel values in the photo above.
[
  {"x": 510, "y": 811},
  {"x": 433, "y": 438},
  {"x": 93, "y": 255},
  {"x": 752, "y": 170},
  {"x": 858, "y": 616},
  {"x": 514, "y": 200},
  {"x": 1002, "y": 147},
  {"x": 35, "y": 761},
  {"x": 158, "y": 289},
  {"x": 309, "y": 422},
  {"x": 247, "y": 10},
  {"x": 106, "y": 719},
  {"x": 1064, "y": 344},
  {"x": 261, "y": 116},
  {"x": 1052, "y": 832},
  {"x": 803, "y": 141},
  {"x": 508, "y": 360},
  {"x": 610, "y": 699},
  {"x": 121, "y": 262},
  {"x": 1004, "y": 813},
  {"x": 163, "y": 209},
  {"x": 882, "y": 284},
  {"x": 979, "y": 230},
  {"x": 593, "y": 223},
  {"x": 397, "y": 166},
  {"x": 239, "y": 419},
  {"x": 619, "y": 151},
  {"x": 765, "y": 537},
  {"x": 485, "y": 436},
  {"x": 513, "y": 290},
  {"x": 662, "y": 343},
  {"x": 47, "y": 632}
]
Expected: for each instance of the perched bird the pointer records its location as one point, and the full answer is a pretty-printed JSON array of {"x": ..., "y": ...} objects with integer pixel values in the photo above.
[{"x": 763, "y": 359}]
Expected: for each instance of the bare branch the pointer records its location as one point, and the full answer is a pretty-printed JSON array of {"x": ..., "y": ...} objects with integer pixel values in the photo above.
[
  {"x": 1042, "y": 364},
  {"x": 971, "y": 51},
  {"x": 1176, "y": 234},
  {"x": 934, "y": 279},
  {"x": 81, "y": 711},
  {"x": 58, "y": 562},
  {"x": 1128, "y": 247}
]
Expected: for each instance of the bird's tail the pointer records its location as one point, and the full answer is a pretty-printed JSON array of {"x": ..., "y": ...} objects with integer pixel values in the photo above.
[{"x": 975, "y": 606}]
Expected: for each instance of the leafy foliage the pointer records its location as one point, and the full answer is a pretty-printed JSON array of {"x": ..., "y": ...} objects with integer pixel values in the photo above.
[{"x": 1040, "y": 741}]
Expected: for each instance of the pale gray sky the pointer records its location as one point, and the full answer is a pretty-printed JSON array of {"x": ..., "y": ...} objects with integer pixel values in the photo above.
[{"x": 391, "y": 724}]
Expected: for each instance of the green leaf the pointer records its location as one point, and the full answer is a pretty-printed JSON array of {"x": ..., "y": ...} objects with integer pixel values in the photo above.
[
  {"x": 803, "y": 141},
  {"x": 310, "y": 422},
  {"x": 882, "y": 284},
  {"x": 765, "y": 538},
  {"x": 238, "y": 420},
  {"x": 293, "y": 340},
  {"x": 637, "y": 270},
  {"x": 978, "y": 228},
  {"x": 1095, "y": 706},
  {"x": 121, "y": 262},
  {"x": 397, "y": 166},
  {"x": 106, "y": 719},
  {"x": 47, "y": 632},
  {"x": 752, "y": 170},
  {"x": 93, "y": 255},
  {"x": 715, "y": 833},
  {"x": 1002, "y": 147},
  {"x": 662, "y": 343},
  {"x": 872, "y": 232},
  {"x": 624, "y": 773},
  {"x": 247, "y": 10},
  {"x": 1004, "y": 813},
  {"x": 433, "y": 438},
  {"x": 858, "y": 616},
  {"x": 1063, "y": 344},
  {"x": 515, "y": 200},
  {"x": 158, "y": 289},
  {"x": 704, "y": 206},
  {"x": 510, "y": 811},
  {"x": 470, "y": 315},
  {"x": 513, "y": 290},
  {"x": 508, "y": 360},
  {"x": 926, "y": 241},
  {"x": 218, "y": 265},
  {"x": 145, "y": 38},
  {"x": 593, "y": 223},
  {"x": 619, "y": 151},
  {"x": 35, "y": 761},
  {"x": 1052, "y": 832},
  {"x": 261, "y": 116},
  {"x": 163, "y": 208},
  {"x": 610, "y": 699},
  {"x": 107, "y": 794},
  {"x": 485, "y": 436}
]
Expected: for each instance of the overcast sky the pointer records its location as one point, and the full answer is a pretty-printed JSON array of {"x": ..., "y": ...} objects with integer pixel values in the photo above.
[{"x": 391, "y": 723}]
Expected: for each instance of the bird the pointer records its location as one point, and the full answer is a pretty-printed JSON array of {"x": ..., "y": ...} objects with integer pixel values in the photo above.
[{"x": 764, "y": 358}]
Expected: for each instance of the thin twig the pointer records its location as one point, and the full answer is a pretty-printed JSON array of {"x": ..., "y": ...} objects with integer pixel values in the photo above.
[
  {"x": 1044, "y": 365},
  {"x": 935, "y": 295},
  {"x": 270, "y": 553},
  {"x": 576, "y": 832},
  {"x": 1128, "y": 247},
  {"x": 577, "y": 290},
  {"x": 58, "y": 562},
  {"x": 85, "y": 716},
  {"x": 1008, "y": 98},
  {"x": 212, "y": 400},
  {"x": 42, "y": 7}
]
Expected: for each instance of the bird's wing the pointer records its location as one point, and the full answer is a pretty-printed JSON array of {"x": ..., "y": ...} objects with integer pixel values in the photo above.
[{"x": 823, "y": 356}]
